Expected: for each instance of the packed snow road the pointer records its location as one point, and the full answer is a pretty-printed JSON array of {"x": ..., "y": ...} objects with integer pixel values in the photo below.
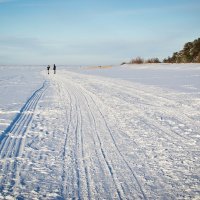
[{"x": 88, "y": 137}]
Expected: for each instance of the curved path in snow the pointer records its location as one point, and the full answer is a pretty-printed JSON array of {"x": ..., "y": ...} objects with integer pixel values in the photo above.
[{"x": 87, "y": 137}]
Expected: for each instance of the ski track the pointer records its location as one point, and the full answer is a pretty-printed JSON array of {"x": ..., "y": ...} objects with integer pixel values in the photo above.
[
  {"x": 12, "y": 142},
  {"x": 86, "y": 137}
]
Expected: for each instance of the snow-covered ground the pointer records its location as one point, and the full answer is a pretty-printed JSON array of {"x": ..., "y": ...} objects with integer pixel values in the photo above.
[
  {"x": 181, "y": 77},
  {"x": 17, "y": 84},
  {"x": 130, "y": 132}
]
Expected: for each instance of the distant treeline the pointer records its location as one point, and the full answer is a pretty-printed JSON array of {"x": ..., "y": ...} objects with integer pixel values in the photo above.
[
  {"x": 140, "y": 60},
  {"x": 189, "y": 54}
]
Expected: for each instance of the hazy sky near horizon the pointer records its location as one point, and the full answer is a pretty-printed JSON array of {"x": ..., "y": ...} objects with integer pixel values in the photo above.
[{"x": 82, "y": 32}]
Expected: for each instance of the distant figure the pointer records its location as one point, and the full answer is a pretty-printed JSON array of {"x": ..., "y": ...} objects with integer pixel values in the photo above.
[
  {"x": 48, "y": 67},
  {"x": 54, "y": 68}
]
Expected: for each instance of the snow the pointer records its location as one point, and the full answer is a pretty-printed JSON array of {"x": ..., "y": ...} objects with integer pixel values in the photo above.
[
  {"x": 16, "y": 85},
  {"x": 124, "y": 132},
  {"x": 181, "y": 77}
]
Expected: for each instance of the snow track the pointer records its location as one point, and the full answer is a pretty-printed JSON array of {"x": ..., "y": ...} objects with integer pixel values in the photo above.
[
  {"x": 13, "y": 140},
  {"x": 90, "y": 137}
]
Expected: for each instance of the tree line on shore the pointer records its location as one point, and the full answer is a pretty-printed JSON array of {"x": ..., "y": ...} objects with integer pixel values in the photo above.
[{"x": 189, "y": 54}]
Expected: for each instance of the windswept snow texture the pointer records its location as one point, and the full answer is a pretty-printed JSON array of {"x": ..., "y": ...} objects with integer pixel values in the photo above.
[
  {"x": 16, "y": 85},
  {"x": 81, "y": 136},
  {"x": 181, "y": 77}
]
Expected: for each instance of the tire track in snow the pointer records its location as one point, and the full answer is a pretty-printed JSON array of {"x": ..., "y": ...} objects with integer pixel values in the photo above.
[
  {"x": 143, "y": 102},
  {"x": 171, "y": 139},
  {"x": 149, "y": 99},
  {"x": 170, "y": 135},
  {"x": 110, "y": 168},
  {"x": 119, "y": 187},
  {"x": 100, "y": 166},
  {"x": 126, "y": 163},
  {"x": 163, "y": 147},
  {"x": 80, "y": 163},
  {"x": 146, "y": 98},
  {"x": 83, "y": 157},
  {"x": 76, "y": 130},
  {"x": 79, "y": 155},
  {"x": 68, "y": 118},
  {"x": 77, "y": 184}
]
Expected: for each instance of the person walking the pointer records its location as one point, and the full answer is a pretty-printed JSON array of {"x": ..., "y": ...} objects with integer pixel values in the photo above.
[
  {"x": 54, "y": 68},
  {"x": 48, "y": 67}
]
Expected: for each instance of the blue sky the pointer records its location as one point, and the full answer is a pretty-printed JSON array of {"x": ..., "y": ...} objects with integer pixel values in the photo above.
[{"x": 94, "y": 32}]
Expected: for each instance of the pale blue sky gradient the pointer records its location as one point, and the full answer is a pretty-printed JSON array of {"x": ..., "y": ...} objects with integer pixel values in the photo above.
[{"x": 82, "y": 32}]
